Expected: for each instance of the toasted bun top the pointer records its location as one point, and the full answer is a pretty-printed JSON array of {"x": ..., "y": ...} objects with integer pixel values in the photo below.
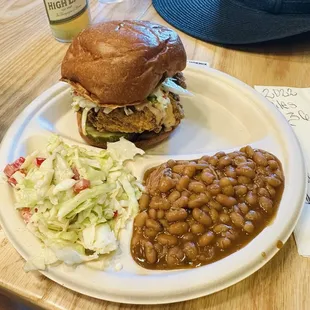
[{"x": 122, "y": 62}]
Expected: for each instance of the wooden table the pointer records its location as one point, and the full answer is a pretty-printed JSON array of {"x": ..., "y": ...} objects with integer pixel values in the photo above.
[{"x": 29, "y": 64}]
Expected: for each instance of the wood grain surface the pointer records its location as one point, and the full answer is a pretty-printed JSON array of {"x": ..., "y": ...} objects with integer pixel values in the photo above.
[{"x": 29, "y": 64}]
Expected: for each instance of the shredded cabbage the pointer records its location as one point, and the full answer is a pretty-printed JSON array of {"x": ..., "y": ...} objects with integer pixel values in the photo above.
[
  {"x": 77, "y": 226},
  {"x": 158, "y": 103},
  {"x": 169, "y": 85},
  {"x": 158, "y": 95}
]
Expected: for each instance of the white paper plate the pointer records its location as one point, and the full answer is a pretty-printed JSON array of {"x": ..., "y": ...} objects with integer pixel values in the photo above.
[{"x": 224, "y": 114}]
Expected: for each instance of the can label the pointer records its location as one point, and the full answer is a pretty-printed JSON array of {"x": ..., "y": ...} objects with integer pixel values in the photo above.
[{"x": 61, "y": 11}]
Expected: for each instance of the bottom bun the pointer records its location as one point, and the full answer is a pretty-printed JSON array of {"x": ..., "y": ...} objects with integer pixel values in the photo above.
[{"x": 144, "y": 140}]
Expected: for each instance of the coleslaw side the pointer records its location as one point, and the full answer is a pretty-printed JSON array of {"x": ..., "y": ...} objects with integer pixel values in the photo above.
[{"x": 76, "y": 201}]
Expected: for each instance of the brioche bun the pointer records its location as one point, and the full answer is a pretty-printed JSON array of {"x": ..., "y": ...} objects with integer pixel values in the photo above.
[{"x": 119, "y": 63}]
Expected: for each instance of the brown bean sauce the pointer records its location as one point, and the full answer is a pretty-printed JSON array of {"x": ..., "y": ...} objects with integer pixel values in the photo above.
[{"x": 196, "y": 212}]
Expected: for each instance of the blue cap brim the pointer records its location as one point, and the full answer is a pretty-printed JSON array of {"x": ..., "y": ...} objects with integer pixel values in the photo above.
[{"x": 228, "y": 22}]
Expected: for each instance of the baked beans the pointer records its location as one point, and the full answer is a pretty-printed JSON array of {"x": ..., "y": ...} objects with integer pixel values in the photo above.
[{"x": 196, "y": 212}]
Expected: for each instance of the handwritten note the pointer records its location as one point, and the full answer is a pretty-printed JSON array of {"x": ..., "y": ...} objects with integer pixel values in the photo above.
[{"x": 294, "y": 104}]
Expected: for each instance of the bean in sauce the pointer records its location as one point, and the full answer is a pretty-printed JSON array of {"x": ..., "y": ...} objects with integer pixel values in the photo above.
[{"x": 196, "y": 212}]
